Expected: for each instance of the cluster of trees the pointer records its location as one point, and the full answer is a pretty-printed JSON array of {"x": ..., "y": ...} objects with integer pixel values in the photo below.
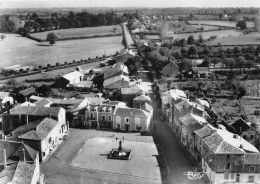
[
  {"x": 6, "y": 25},
  {"x": 72, "y": 20}
]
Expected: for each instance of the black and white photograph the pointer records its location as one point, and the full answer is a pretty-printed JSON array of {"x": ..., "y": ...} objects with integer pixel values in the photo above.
[{"x": 130, "y": 92}]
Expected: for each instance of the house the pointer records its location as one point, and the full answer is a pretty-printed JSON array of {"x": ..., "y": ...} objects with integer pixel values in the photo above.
[
  {"x": 44, "y": 136},
  {"x": 246, "y": 131},
  {"x": 166, "y": 39},
  {"x": 117, "y": 82},
  {"x": 141, "y": 100},
  {"x": 171, "y": 70},
  {"x": 189, "y": 124},
  {"x": 132, "y": 119},
  {"x": 16, "y": 167},
  {"x": 85, "y": 84},
  {"x": 128, "y": 94},
  {"x": 69, "y": 80},
  {"x": 34, "y": 98},
  {"x": 24, "y": 95},
  {"x": 200, "y": 72},
  {"x": 196, "y": 62},
  {"x": 102, "y": 115},
  {"x": 43, "y": 103},
  {"x": 5, "y": 100},
  {"x": 122, "y": 58},
  {"x": 116, "y": 70},
  {"x": 21, "y": 115},
  {"x": 228, "y": 158}
]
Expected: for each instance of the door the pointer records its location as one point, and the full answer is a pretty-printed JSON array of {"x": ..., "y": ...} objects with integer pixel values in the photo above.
[
  {"x": 127, "y": 127},
  {"x": 238, "y": 178},
  {"x": 118, "y": 126}
]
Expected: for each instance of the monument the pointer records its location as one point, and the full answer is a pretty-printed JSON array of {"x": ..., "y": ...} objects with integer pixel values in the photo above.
[{"x": 120, "y": 153}]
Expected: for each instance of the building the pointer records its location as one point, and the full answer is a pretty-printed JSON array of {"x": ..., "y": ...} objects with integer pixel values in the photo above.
[
  {"x": 249, "y": 133},
  {"x": 228, "y": 158},
  {"x": 122, "y": 58},
  {"x": 42, "y": 136},
  {"x": 171, "y": 70},
  {"x": 166, "y": 39},
  {"x": 117, "y": 82},
  {"x": 128, "y": 94},
  {"x": 69, "y": 80},
  {"x": 189, "y": 124},
  {"x": 24, "y": 95},
  {"x": 141, "y": 100},
  {"x": 21, "y": 115},
  {"x": 102, "y": 115},
  {"x": 199, "y": 72},
  {"x": 5, "y": 100},
  {"x": 16, "y": 167},
  {"x": 257, "y": 22},
  {"x": 131, "y": 119},
  {"x": 117, "y": 69}
]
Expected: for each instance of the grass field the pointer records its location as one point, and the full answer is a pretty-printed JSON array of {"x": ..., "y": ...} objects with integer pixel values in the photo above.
[
  {"x": 221, "y": 23},
  {"x": 252, "y": 38},
  {"x": 80, "y": 32},
  {"x": 206, "y": 35},
  {"x": 20, "y": 52}
]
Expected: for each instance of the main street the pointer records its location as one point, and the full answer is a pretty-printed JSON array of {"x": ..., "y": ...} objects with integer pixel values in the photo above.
[{"x": 175, "y": 156}]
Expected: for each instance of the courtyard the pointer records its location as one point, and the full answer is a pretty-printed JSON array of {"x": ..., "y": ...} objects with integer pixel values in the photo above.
[{"x": 93, "y": 165}]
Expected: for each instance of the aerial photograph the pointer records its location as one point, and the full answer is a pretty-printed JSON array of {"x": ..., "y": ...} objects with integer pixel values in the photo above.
[{"x": 130, "y": 92}]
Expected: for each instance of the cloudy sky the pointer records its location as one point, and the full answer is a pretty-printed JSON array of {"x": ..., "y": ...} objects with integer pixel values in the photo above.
[{"x": 127, "y": 3}]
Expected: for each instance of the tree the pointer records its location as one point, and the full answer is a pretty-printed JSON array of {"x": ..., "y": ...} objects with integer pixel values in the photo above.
[
  {"x": 190, "y": 40},
  {"x": 51, "y": 37},
  {"x": 91, "y": 72},
  {"x": 200, "y": 39},
  {"x": 241, "y": 62},
  {"x": 12, "y": 82},
  {"x": 215, "y": 61},
  {"x": 40, "y": 67},
  {"x": 185, "y": 64},
  {"x": 48, "y": 65},
  {"x": 3, "y": 37},
  {"x": 241, "y": 91},
  {"x": 241, "y": 24},
  {"x": 44, "y": 90},
  {"x": 192, "y": 51},
  {"x": 237, "y": 50},
  {"x": 221, "y": 15},
  {"x": 57, "y": 64}
]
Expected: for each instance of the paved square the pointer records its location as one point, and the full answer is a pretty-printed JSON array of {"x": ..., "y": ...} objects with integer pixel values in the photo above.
[{"x": 143, "y": 163}]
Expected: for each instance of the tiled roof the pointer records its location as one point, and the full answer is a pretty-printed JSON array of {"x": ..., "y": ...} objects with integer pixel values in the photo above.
[
  {"x": 147, "y": 107},
  {"x": 240, "y": 126},
  {"x": 131, "y": 112},
  {"x": 95, "y": 100},
  {"x": 65, "y": 101},
  {"x": 182, "y": 104},
  {"x": 223, "y": 141},
  {"x": 252, "y": 158},
  {"x": 41, "y": 131},
  {"x": 73, "y": 75},
  {"x": 28, "y": 91},
  {"x": 205, "y": 131},
  {"x": 26, "y": 103},
  {"x": 42, "y": 102},
  {"x": 4, "y": 94},
  {"x": 132, "y": 90},
  {"x": 142, "y": 98},
  {"x": 192, "y": 122},
  {"x": 24, "y": 173},
  {"x": 37, "y": 111},
  {"x": 84, "y": 84},
  {"x": 200, "y": 69},
  {"x": 176, "y": 93},
  {"x": 203, "y": 102},
  {"x": 118, "y": 68},
  {"x": 108, "y": 82},
  {"x": 35, "y": 98}
]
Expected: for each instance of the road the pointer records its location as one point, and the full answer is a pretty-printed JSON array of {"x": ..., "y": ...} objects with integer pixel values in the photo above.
[{"x": 175, "y": 156}]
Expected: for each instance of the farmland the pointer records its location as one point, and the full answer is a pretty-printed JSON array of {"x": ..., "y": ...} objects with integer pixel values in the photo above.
[
  {"x": 252, "y": 38},
  {"x": 18, "y": 51},
  {"x": 81, "y": 32},
  {"x": 220, "y": 23}
]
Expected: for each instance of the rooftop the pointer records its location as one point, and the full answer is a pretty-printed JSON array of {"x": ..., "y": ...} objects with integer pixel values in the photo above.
[
  {"x": 192, "y": 122},
  {"x": 131, "y": 112},
  {"x": 37, "y": 111},
  {"x": 24, "y": 173},
  {"x": 42, "y": 102},
  {"x": 28, "y": 91},
  {"x": 132, "y": 90},
  {"x": 73, "y": 75},
  {"x": 4, "y": 94},
  {"x": 116, "y": 69},
  {"x": 142, "y": 98}
]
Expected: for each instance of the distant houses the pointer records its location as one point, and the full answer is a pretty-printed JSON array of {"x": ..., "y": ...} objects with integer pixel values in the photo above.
[
  {"x": 24, "y": 95},
  {"x": 171, "y": 70},
  {"x": 69, "y": 80}
]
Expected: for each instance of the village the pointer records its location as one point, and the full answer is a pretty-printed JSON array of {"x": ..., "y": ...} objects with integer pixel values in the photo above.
[{"x": 161, "y": 110}]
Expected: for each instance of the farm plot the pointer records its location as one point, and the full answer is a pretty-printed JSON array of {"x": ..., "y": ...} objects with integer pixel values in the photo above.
[
  {"x": 81, "y": 32},
  {"x": 220, "y": 23},
  {"x": 252, "y": 38}
]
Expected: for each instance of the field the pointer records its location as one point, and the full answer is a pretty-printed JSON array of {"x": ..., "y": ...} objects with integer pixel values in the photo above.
[
  {"x": 252, "y": 38},
  {"x": 220, "y": 23},
  {"x": 17, "y": 51},
  {"x": 206, "y": 35},
  {"x": 80, "y": 32}
]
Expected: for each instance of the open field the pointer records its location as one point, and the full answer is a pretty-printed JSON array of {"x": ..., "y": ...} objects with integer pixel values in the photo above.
[
  {"x": 80, "y": 32},
  {"x": 252, "y": 38},
  {"x": 220, "y": 23},
  {"x": 19, "y": 51},
  {"x": 58, "y": 170},
  {"x": 206, "y": 35}
]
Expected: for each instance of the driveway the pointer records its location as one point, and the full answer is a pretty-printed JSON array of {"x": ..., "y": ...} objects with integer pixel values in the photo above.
[{"x": 175, "y": 156}]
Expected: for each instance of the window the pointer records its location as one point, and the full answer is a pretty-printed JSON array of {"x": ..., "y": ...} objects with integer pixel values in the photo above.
[
  {"x": 228, "y": 166},
  {"x": 127, "y": 120},
  {"x": 251, "y": 137},
  {"x": 50, "y": 140},
  {"x": 110, "y": 110},
  {"x": 238, "y": 178},
  {"x": 252, "y": 169},
  {"x": 103, "y": 117},
  {"x": 92, "y": 115},
  {"x": 137, "y": 121},
  {"x": 251, "y": 179},
  {"x": 226, "y": 176},
  {"x": 244, "y": 136},
  {"x": 110, "y": 118},
  {"x": 232, "y": 176}
]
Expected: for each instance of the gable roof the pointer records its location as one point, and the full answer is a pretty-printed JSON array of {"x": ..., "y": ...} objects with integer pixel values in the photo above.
[
  {"x": 192, "y": 122},
  {"x": 142, "y": 98},
  {"x": 35, "y": 98},
  {"x": 41, "y": 130},
  {"x": 28, "y": 91},
  {"x": 42, "y": 102},
  {"x": 73, "y": 75},
  {"x": 65, "y": 101},
  {"x": 4, "y": 94},
  {"x": 240, "y": 126},
  {"x": 205, "y": 131},
  {"x": 171, "y": 63},
  {"x": 116, "y": 69},
  {"x": 200, "y": 69},
  {"x": 131, "y": 112},
  {"x": 224, "y": 142},
  {"x": 108, "y": 83},
  {"x": 176, "y": 93},
  {"x": 132, "y": 90},
  {"x": 147, "y": 107},
  {"x": 24, "y": 173},
  {"x": 37, "y": 111}
]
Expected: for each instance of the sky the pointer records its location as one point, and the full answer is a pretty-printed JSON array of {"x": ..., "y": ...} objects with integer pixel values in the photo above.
[{"x": 127, "y": 3}]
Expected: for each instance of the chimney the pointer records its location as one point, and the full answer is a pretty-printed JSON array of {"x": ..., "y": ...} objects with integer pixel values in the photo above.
[
  {"x": 36, "y": 128},
  {"x": 235, "y": 136},
  {"x": 241, "y": 146},
  {"x": 213, "y": 131},
  {"x": 22, "y": 155},
  {"x": 4, "y": 158},
  {"x": 27, "y": 119}
]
